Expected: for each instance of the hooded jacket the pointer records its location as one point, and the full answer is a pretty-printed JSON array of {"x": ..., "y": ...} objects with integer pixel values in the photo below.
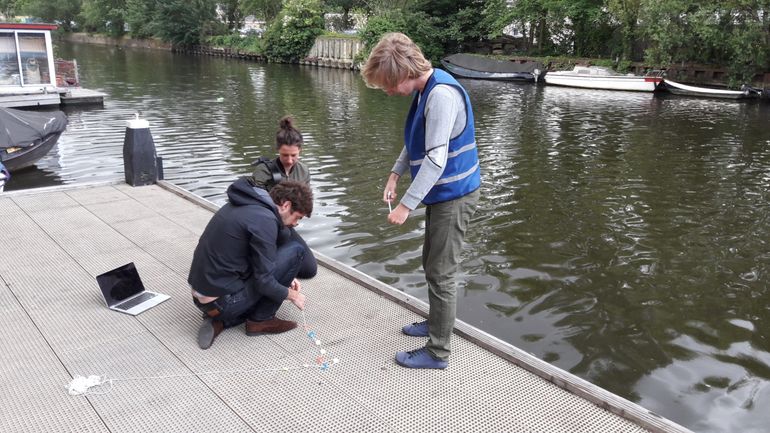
[{"x": 238, "y": 247}]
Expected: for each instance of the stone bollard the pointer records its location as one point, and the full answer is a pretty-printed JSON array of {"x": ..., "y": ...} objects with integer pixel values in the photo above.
[{"x": 141, "y": 164}]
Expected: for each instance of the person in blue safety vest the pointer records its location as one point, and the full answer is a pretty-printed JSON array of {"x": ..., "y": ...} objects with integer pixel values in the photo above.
[{"x": 441, "y": 155}]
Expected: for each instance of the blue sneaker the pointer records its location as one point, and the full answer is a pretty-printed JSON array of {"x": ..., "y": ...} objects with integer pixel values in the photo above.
[
  {"x": 416, "y": 329},
  {"x": 419, "y": 358}
]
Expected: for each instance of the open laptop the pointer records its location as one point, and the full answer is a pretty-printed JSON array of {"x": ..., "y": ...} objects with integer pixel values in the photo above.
[{"x": 123, "y": 291}]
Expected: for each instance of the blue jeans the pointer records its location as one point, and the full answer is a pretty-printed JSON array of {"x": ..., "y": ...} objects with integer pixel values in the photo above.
[
  {"x": 235, "y": 308},
  {"x": 309, "y": 267}
]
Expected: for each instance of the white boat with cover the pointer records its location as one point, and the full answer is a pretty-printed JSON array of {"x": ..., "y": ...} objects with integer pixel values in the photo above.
[
  {"x": 598, "y": 77},
  {"x": 687, "y": 90}
]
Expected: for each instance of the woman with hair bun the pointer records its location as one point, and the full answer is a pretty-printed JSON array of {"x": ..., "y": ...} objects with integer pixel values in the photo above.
[
  {"x": 287, "y": 166},
  {"x": 288, "y": 143}
]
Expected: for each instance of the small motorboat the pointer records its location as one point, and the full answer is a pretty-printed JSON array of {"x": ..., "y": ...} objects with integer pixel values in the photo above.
[
  {"x": 746, "y": 92},
  {"x": 599, "y": 77},
  {"x": 27, "y": 136},
  {"x": 484, "y": 68}
]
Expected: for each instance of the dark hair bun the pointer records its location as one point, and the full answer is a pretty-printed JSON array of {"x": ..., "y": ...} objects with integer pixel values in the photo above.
[
  {"x": 286, "y": 122},
  {"x": 287, "y": 133}
]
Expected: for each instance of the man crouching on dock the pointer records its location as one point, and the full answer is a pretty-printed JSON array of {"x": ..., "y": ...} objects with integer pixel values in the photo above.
[{"x": 245, "y": 264}]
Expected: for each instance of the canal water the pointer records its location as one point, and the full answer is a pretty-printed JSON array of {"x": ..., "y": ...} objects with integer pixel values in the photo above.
[{"x": 622, "y": 237}]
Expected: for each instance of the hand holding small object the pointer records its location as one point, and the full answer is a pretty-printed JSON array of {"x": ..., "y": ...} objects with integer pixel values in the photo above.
[
  {"x": 390, "y": 195},
  {"x": 295, "y": 285}
]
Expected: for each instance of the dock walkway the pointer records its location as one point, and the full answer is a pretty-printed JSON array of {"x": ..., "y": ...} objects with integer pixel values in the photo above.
[{"x": 55, "y": 327}]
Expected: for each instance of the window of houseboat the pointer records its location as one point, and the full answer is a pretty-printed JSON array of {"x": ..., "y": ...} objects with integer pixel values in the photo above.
[
  {"x": 9, "y": 62},
  {"x": 24, "y": 59},
  {"x": 34, "y": 58}
]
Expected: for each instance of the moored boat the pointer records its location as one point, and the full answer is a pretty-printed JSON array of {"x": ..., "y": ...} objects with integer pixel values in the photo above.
[
  {"x": 746, "y": 92},
  {"x": 27, "y": 136},
  {"x": 598, "y": 77},
  {"x": 484, "y": 68}
]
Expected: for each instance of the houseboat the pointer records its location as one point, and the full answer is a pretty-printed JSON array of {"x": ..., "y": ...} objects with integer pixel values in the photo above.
[{"x": 27, "y": 71}]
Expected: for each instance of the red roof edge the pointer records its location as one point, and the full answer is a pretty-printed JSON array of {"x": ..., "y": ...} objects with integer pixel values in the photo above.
[{"x": 25, "y": 26}]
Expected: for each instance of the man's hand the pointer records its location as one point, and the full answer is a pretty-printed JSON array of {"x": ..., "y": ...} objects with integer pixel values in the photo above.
[
  {"x": 296, "y": 298},
  {"x": 295, "y": 285},
  {"x": 399, "y": 214},
  {"x": 389, "y": 194}
]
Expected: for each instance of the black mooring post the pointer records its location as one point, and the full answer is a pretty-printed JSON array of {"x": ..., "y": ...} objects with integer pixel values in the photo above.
[{"x": 140, "y": 162}]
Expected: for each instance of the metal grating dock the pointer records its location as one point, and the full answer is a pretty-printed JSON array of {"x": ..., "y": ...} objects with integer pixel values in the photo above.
[{"x": 55, "y": 241}]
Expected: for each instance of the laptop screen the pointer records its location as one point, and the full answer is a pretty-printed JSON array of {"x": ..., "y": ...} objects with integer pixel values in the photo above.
[{"x": 120, "y": 284}]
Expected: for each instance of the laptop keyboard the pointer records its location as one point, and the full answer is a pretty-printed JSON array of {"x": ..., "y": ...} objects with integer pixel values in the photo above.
[{"x": 135, "y": 301}]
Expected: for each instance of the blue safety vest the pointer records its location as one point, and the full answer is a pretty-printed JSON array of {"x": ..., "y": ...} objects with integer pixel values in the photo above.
[{"x": 461, "y": 174}]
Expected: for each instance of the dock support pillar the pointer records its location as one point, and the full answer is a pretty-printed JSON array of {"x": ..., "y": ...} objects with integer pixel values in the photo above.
[{"x": 141, "y": 164}]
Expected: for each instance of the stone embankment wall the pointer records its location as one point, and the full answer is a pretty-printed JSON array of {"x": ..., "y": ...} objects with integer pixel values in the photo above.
[
  {"x": 221, "y": 52},
  {"x": 85, "y": 38},
  {"x": 334, "y": 52}
]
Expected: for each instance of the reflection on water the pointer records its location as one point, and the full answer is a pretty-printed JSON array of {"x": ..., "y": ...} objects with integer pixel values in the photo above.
[{"x": 621, "y": 236}]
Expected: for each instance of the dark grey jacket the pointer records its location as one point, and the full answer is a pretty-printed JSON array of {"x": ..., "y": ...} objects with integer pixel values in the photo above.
[{"x": 238, "y": 246}]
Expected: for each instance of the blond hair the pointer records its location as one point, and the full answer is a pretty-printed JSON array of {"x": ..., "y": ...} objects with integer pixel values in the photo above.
[{"x": 394, "y": 59}]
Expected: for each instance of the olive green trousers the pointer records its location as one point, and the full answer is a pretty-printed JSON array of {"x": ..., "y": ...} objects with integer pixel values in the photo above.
[{"x": 445, "y": 226}]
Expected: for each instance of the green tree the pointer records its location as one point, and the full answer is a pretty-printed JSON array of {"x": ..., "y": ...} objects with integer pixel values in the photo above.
[
  {"x": 185, "y": 22},
  {"x": 294, "y": 31},
  {"x": 533, "y": 20},
  {"x": 345, "y": 6},
  {"x": 580, "y": 27},
  {"x": 104, "y": 16},
  {"x": 233, "y": 13},
  {"x": 8, "y": 8},
  {"x": 141, "y": 17},
  {"x": 379, "y": 7},
  {"x": 267, "y": 10},
  {"x": 378, "y": 25},
  {"x": 64, "y": 12},
  {"x": 734, "y": 33},
  {"x": 626, "y": 12}
]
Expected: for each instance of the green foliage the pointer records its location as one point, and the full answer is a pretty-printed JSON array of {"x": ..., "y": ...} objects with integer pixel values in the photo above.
[
  {"x": 733, "y": 33},
  {"x": 251, "y": 44},
  {"x": 437, "y": 27},
  {"x": 233, "y": 13},
  {"x": 378, "y": 25},
  {"x": 427, "y": 32},
  {"x": 267, "y": 10},
  {"x": 103, "y": 16},
  {"x": 626, "y": 14},
  {"x": 445, "y": 26},
  {"x": 64, "y": 12},
  {"x": 185, "y": 22},
  {"x": 345, "y": 7},
  {"x": 8, "y": 8},
  {"x": 293, "y": 32},
  {"x": 140, "y": 17}
]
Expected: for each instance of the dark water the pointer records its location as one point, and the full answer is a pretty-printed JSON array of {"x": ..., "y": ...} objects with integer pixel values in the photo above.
[{"x": 621, "y": 236}]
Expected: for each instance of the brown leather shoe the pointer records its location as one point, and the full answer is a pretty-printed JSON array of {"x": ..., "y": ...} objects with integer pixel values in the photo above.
[
  {"x": 272, "y": 326},
  {"x": 208, "y": 331}
]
